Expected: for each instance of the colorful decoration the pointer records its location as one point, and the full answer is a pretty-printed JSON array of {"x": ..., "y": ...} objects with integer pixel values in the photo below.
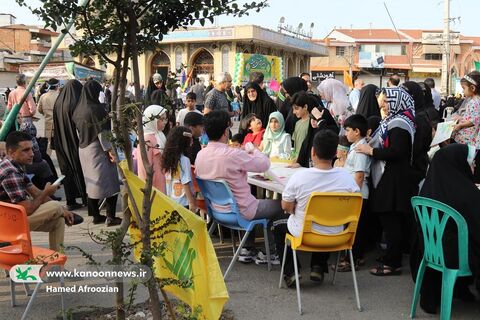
[{"x": 246, "y": 63}]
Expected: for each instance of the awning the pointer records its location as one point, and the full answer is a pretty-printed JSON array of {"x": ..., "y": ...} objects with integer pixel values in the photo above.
[{"x": 331, "y": 68}]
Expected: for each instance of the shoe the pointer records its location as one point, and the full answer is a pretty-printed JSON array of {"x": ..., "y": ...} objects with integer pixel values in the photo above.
[
  {"x": 99, "y": 219},
  {"x": 262, "y": 258},
  {"x": 75, "y": 206},
  {"x": 77, "y": 219},
  {"x": 317, "y": 274},
  {"x": 427, "y": 303},
  {"x": 290, "y": 280},
  {"x": 247, "y": 255},
  {"x": 113, "y": 221},
  {"x": 55, "y": 198}
]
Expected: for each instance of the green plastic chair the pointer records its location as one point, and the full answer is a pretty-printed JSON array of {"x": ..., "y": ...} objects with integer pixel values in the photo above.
[{"x": 433, "y": 217}]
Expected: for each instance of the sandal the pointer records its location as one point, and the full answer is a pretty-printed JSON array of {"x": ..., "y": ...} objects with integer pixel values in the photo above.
[
  {"x": 383, "y": 270},
  {"x": 345, "y": 266}
]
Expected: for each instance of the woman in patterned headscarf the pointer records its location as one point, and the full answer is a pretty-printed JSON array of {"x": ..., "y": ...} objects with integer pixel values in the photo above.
[{"x": 391, "y": 150}]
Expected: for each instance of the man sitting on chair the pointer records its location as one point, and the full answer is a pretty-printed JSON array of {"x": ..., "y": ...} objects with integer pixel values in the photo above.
[
  {"x": 219, "y": 161},
  {"x": 322, "y": 177},
  {"x": 43, "y": 213}
]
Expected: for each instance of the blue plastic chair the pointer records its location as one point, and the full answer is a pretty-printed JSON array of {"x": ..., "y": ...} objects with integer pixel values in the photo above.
[
  {"x": 223, "y": 209},
  {"x": 433, "y": 226}
]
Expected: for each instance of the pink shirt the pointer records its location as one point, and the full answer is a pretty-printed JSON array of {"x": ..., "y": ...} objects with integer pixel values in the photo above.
[
  {"x": 219, "y": 161},
  {"x": 29, "y": 107},
  {"x": 155, "y": 158}
]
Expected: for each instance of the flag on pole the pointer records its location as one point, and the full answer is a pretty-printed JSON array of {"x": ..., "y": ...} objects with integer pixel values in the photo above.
[
  {"x": 347, "y": 80},
  {"x": 187, "y": 252}
]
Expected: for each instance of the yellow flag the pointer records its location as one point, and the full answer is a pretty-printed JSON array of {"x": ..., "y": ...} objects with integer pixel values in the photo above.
[
  {"x": 188, "y": 254},
  {"x": 347, "y": 80}
]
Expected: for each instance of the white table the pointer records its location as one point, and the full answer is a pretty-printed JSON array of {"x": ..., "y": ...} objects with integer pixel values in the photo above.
[{"x": 280, "y": 170}]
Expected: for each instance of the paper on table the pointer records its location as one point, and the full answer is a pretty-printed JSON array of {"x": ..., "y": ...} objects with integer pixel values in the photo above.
[
  {"x": 272, "y": 176},
  {"x": 444, "y": 132}
]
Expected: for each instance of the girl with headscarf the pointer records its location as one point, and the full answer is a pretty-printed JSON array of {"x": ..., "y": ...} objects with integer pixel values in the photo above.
[
  {"x": 257, "y": 101},
  {"x": 392, "y": 174},
  {"x": 291, "y": 86},
  {"x": 368, "y": 104},
  {"x": 335, "y": 93},
  {"x": 276, "y": 142},
  {"x": 154, "y": 121},
  {"x": 66, "y": 143},
  {"x": 95, "y": 153},
  {"x": 450, "y": 180}
]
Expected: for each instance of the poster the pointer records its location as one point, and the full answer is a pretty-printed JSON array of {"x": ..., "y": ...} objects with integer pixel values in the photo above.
[{"x": 246, "y": 63}]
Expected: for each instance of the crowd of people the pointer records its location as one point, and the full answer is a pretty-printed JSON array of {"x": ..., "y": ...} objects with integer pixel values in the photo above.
[{"x": 371, "y": 140}]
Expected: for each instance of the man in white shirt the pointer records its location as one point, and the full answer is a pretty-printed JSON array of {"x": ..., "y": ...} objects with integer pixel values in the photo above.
[
  {"x": 437, "y": 99},
  {"x": 322, "y": 177}
]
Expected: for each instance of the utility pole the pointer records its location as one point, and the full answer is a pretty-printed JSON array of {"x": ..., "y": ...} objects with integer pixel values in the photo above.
[{"x": 445, "y": 88}]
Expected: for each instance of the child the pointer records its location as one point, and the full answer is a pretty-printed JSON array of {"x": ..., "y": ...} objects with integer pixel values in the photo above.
[
  {"x": 194, "y": 122},
  {"x": 253, "y": 125},
  {"x": 358, "y": 164},
  {"x": 190, "y": 103},
  {"x": 372, "y": 125},
  {"x": 300, "y": 109},
  {"x": 342, "y": 151},
  {"x": 236, "y": 141},
  {"x": 276, "y": 142},
  {"x": 177, "y": 167}
]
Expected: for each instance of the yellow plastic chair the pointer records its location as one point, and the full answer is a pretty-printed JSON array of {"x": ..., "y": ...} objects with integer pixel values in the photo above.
[{"x": 327, "y": 209}]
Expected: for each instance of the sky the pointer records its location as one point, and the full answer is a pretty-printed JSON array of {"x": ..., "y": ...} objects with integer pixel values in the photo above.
[{"x": 327, "y": 14}]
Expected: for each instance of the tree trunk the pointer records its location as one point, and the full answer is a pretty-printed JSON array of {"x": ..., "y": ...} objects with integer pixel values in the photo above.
[{"x": 147, "y": 201}]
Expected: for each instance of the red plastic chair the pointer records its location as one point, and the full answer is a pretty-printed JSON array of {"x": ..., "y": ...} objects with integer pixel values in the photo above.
[{"x": 14, "y": 229}]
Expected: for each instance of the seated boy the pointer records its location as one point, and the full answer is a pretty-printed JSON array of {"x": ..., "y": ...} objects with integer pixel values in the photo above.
[
  {"x": 194, "y": 122},
  {"x": 358, "y": 165},
  {"x": 322, "y": 177},
  {"x": 190, "y": 103}
]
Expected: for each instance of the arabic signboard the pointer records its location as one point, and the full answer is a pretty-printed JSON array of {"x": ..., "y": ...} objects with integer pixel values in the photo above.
[
  {"x": 319, "y": 76},
  {"x": 64, "y": 71},
  {"x": 437, "y": 38}
]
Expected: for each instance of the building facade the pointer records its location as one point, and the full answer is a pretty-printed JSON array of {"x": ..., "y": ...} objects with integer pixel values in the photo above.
[
  {"x": 209, "y": 51},
  {"x": 375, "y": 54}
]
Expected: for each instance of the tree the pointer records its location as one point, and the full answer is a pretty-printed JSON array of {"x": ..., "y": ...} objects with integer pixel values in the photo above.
[{"x": 118, "y": 31}]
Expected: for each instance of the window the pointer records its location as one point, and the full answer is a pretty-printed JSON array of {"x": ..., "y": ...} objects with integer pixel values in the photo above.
[
  {"x": 433, "y": 56},
  {"x": 340, "y": 51},
  {"x": 225, "y": 51},
  {"x": 391, "y": 49},
  {"x": 178, "y": 58}
]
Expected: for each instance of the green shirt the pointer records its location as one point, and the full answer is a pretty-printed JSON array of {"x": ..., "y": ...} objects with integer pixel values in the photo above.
[{"x": 300, "y": 133}]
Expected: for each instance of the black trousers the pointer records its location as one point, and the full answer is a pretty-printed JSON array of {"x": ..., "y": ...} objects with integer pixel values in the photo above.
[
  {"x": 393, "y": 225},
  {"x": 111, "y": 205},
  {"x": 319, "y": 259}
]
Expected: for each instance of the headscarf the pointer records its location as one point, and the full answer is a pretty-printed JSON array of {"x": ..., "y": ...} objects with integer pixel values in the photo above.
[
  {"x": 401, "y": 113},
  {"x": 150, "y": 117},
  {"x": 335, "y": 92},
  {"x": 261, "y": 107},
  {"x": 271, "y": 135},
  {"x": 326, "y": 122},
  {"x": 90, "y": 116},
  {"x": 291, "y": 86},
  {"x": 368, "y": 104},
  {"x": 450, "y": 180}
]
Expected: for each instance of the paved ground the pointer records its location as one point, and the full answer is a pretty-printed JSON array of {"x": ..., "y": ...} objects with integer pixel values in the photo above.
[{"x": 254, "y": 292}]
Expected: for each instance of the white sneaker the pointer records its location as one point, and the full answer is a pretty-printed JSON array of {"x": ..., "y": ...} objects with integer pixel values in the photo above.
[
  {"x": 246, "y": 255},
  {"x": 262, "y": 258}
]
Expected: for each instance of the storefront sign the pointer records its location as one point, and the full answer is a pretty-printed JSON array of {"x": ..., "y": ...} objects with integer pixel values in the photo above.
[{"x": 318, "y": 76}]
